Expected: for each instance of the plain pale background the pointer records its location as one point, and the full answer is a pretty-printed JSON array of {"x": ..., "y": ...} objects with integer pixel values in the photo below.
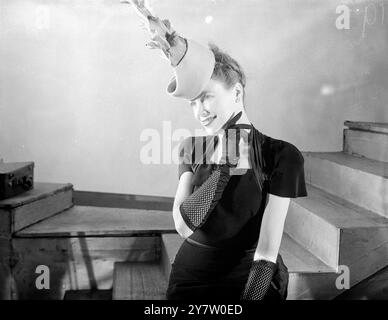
[{"x": 78, "y": 87}]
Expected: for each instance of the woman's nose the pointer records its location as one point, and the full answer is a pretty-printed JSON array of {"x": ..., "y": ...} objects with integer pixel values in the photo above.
[{"x": 204, "y": 112}]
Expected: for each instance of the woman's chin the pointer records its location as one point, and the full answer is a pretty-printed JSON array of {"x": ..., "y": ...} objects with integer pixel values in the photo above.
[{"x": 213, "y": 129}]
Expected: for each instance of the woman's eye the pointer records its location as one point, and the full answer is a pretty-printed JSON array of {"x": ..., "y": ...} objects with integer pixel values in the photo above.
[{"x": 207, "y": 97}]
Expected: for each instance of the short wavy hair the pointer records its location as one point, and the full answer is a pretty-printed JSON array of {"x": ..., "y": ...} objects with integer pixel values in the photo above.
[{"x": 227, "y": 70}]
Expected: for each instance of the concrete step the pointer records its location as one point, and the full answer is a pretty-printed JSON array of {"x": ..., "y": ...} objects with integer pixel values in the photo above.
[
  {"x": 45, "y": 200},
  {"x": 332, "y": 228},
  {"x": 378, "y": 127},
  {"x": 310, "y": 278},
  {"x": 361, "y": 181},
  {"x": 97, "y": 221},
  {"x": 138, "y": 281},
  {"x": 366, "y": 144}
]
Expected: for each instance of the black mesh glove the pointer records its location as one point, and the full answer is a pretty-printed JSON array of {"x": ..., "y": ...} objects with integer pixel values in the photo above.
[
  {"x": 259, "y": 280},
  {"x": 197, "y": 207}
]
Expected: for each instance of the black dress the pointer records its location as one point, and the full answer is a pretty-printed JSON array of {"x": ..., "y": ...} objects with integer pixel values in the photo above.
[{"x": 214, "y": 263}]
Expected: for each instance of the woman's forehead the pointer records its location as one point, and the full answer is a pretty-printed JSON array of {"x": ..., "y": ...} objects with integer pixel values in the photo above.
[{"x": 213, "y": 86}]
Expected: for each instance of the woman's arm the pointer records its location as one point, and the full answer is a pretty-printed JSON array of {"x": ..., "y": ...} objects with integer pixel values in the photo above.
[
  {"x": 183, "y": 191},
  {"x": 271, "y": 230},
  {"x": 264, "y": 264}
]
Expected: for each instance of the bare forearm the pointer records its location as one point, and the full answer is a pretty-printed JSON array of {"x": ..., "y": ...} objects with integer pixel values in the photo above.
[{"x": 180, "y": 225}]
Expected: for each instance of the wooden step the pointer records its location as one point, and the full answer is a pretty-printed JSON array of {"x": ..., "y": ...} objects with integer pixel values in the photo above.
[
  {"x": 81, "y": 245},
  {"x": 361, "y": 181},
  {"x": 366, "y": 144},
  {"x": 378, "y": 127},
  {"x": 96, "y": 221},
  {"x": 45, "y": 200},
  {"x": 75, "y": 263},
  {"x": 138, "y": 281},
  {"x": 310, "y": 278},
  {"x": 170, "y": 246},
  {"x": 331, "y": 227}
]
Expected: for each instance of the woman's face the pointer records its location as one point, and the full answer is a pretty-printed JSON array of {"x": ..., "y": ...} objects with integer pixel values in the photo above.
[{"x": 214, "y": 106}]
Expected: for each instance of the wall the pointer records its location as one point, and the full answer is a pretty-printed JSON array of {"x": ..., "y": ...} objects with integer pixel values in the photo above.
[{"x": 78, "y": 87}]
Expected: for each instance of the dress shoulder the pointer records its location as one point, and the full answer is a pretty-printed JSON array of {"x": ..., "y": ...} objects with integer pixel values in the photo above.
[{"x": 286, "y": 169}]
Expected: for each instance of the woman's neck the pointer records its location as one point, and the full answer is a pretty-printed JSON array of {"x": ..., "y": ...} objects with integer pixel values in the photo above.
[{"x": 243, "y": 119}]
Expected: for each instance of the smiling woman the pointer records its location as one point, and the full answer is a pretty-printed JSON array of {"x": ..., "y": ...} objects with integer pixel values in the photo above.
[
  {"x": 232, "y": 199},
  {"x": 232, "y": 213},
  {"x": 223, "y": 95}
]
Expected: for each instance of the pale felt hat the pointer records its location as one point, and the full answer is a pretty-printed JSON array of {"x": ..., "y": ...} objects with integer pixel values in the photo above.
[{"x": 193, "y": 73}]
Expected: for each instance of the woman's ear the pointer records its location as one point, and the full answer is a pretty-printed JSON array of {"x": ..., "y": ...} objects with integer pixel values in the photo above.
[{"x": 238, "y": 92}]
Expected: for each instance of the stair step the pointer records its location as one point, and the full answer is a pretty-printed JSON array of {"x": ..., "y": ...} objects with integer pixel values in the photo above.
[
  {"x": 309, "y": 276},
  {"x": 367, "y": 144},
  {"x": 170, "y": 246},
  {"x": 297, "y": 258},
  {"x": 379, "y": 127},
  {"x": 361, "y": 181},
  {"x": 75, "y": 263},
  {"x": 138, "y": 281},
  {"x": 300, "y": 260},
  {"x": 326, "y": 224},
  {"x": 97, "y": 221},
  {"x": 372, "y": 288},
  {"x": 45, "y": 200}
]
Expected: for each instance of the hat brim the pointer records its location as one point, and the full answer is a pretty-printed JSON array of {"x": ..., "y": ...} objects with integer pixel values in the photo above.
[{"x": 193, "y": 73}]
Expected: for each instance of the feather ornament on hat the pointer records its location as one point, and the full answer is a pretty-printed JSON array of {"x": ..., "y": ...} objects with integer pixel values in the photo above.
[{"x": 192, "y": 63}]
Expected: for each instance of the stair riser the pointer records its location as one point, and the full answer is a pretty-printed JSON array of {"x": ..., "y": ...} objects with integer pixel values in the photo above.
[
  {"x": 313, "y": 233},
  {"x": 367, "y": 144},
  {"x": 364, "y": 189},
  {"x": 165, "y": 262},
  {"x": 42, "y": 209},
  {"x": 312, "y": 286},
  {"x": 5, "y": 270},
  {"x": 138, "y": 281},
  {"x": 15, "y": 219},
  {"x": 364, "y": 251},
  {"x": 76, "y": 263}
]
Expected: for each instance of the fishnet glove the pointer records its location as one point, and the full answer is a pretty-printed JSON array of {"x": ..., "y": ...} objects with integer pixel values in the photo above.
[
  {"x": 197, "y": 207},
  {"x": 259, "y": 280}
]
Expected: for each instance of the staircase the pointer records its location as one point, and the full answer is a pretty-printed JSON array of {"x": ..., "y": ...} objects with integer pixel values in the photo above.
[{"x": 341, "y": 225}]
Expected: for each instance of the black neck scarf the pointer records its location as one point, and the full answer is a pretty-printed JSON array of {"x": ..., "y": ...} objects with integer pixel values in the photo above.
[{"x": 255, "y": 142}]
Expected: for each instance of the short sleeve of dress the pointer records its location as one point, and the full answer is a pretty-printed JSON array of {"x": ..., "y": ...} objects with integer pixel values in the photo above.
[
  {"x": 287, "y": 178},
  {"x": 185, "y": 156}
]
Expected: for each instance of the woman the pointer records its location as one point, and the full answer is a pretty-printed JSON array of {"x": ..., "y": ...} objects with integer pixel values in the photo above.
[
  {"x": 231, "y": 252},
  {"x": 234, "y": 186}
]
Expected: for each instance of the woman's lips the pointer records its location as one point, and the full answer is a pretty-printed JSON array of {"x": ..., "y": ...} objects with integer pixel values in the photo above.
[{"x": 208, "y": 121}]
